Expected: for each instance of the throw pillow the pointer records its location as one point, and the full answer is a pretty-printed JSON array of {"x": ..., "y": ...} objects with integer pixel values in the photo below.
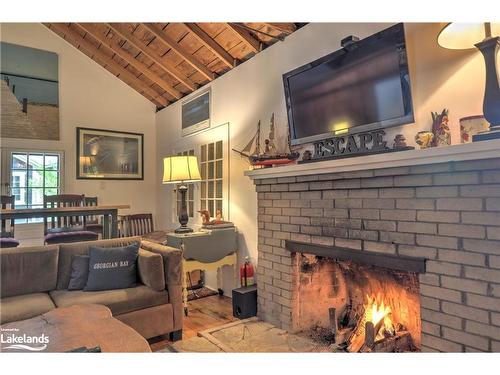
[
  {"x": 112, "y": 267},
  {"x": 79, "y": 272}
]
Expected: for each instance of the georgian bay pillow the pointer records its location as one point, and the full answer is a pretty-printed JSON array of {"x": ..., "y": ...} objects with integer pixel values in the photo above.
[
  {"x": 79, "y": 272},
  {"x": 112, "y": 267}
]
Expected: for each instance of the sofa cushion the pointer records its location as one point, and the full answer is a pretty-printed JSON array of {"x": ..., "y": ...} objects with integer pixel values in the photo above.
[
  {"x": 79, "y": 272},
  {"x": 26, "y": 270},
  {"x": 75, "y": 236},
  {"x": 112, "y": 268},
  {"x": 8, "y": 242},
  {"x": 120, "y": 301},
  {"x": 24, "y": 307},
  {"x": 151, "y": 271},
  {"x": 68, "y": 250}
]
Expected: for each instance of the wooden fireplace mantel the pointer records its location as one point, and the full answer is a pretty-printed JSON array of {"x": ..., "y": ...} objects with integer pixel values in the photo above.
[{"x": 463, "y": 152}]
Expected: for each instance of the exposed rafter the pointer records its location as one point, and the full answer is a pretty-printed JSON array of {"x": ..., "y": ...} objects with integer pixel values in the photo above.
[
  {"x": 211, "y": 44},
  {"x": 242, "y": 33},
  {"x": 143, "y": 68},
  {"x": 164, "y": 61},
  {"x": 152, "y": 54},
  {"x": 286, "y": 28},
  {"x": 181, "y": 51},
  {"x": 108, "y": 62}
]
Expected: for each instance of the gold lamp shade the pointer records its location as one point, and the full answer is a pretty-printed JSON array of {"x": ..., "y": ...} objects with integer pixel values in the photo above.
[
  {"x": 178, "y": 169},
  {"x": 466, "y": 35}
]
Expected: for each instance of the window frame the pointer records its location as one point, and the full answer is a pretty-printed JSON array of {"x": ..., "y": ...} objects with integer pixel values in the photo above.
[
  {"x": 7, "y": 170},
  {"x": 205, "y": 162}
]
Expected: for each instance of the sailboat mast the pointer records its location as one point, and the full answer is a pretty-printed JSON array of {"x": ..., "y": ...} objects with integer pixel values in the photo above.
[{"x": 257, "y": 140}]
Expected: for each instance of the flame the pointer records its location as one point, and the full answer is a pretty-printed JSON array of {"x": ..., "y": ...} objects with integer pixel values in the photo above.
[{"x": 375, "y": 311}]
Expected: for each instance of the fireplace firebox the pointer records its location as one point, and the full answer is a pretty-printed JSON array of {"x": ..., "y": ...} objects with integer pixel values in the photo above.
[{"x": 356, "y": 302}]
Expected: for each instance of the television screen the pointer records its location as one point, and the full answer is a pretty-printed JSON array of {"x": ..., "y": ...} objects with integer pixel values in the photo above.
[{"x": 358, "y": 88}]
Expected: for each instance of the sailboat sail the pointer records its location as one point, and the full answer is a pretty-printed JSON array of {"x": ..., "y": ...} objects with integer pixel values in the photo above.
[{"x": 248, "y": 147}]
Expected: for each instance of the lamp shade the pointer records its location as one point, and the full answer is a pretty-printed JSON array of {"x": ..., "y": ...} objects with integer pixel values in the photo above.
[
  {"x": 180, "y": 169},
  {"x": 466, "y": 35}
]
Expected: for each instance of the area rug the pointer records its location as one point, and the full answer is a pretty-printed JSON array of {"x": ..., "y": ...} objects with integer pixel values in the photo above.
[{"x": 245, "y": 336}]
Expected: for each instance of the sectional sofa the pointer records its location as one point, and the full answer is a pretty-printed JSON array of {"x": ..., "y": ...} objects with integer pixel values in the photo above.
[{"x": 34, "y": 280}]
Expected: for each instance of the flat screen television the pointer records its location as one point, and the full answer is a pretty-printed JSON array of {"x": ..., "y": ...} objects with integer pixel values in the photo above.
[{"x": 361, "y": 87}]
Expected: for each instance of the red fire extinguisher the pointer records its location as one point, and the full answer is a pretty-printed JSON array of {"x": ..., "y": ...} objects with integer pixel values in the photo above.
[{"x": 246, "y": 273}]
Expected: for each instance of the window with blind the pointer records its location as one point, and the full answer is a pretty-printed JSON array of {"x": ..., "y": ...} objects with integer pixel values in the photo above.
[{"x": 211, "y": 170}]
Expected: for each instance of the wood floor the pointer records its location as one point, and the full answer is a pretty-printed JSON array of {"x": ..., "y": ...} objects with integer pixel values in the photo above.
[{"x": 203, "y": 314}]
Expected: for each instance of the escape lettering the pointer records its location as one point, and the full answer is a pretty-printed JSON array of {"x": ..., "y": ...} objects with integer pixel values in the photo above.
[{"x": 350, "y": 144}]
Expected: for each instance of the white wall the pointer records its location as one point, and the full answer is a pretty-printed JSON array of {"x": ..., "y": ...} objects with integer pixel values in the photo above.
[
  {"x": 440, "y": 79},
  {"x": 90, "y": 96}
]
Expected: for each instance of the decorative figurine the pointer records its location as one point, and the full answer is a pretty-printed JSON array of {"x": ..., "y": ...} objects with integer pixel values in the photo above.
[
  {"x": 205, "y": 216},
  {"x": 440, "y": 129},
  {"x": 218, "y": 215},
  {"x": 270, "y": 157},
  {"x": 424, "y": 139},
  {"x": 399, "y": 141},
  {"x": 472, "y": 125},
  {"x": 307, "y": 155}
]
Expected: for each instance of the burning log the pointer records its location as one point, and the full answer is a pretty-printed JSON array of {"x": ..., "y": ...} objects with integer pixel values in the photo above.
[
  {"x": 400, "y": 342},
  {"x": 370, "y": 335}
]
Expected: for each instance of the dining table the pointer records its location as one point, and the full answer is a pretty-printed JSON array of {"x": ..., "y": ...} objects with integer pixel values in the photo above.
[{"x": 108, "y": 212}]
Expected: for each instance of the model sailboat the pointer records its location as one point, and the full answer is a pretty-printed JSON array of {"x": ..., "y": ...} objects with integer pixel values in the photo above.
[{"x": 269, "y": 156}]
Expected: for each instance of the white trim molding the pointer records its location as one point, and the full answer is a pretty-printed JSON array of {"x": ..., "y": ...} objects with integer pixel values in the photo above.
[{"x": 468, "y": 151}]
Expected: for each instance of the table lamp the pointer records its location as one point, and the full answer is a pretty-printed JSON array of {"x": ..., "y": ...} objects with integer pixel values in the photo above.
[
  {"x": 181, "y": 170},
  {"x": 486, "y": 38}
]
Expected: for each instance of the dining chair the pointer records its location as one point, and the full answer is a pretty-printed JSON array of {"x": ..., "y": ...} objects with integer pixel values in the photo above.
[
  {"x": 92, "y": 223},
  {"x": 7, "y": 234},
  {"x": 137, "y": 224},
  {"x": 69, "y": 228}
]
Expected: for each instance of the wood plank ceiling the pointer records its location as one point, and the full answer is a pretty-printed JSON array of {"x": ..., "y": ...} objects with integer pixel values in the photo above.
[{"x": 166, "y": 61}]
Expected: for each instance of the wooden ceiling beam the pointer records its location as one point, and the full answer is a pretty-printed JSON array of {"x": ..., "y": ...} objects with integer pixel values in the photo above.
[
  {"x": 284, "y": 27},
  {"x": 181, "y": 51},
  {"x": 211, "y": 44},
  {"x": 152, "y": 54},
  {"x": 124, "y": 74},
  {"x": 143, "y": 68},
  {"x": 243, "y": 34}
]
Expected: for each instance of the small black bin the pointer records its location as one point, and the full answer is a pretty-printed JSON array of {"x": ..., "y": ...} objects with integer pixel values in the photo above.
[{"x": 245, "y": 302}]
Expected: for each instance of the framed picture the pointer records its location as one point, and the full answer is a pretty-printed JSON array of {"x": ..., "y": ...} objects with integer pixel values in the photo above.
[
  {"x": 109, "y": 155},
  {"x": 30, "y": 93}
]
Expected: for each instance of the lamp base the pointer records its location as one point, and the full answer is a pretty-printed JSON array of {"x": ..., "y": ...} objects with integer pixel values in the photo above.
[{"x": 183, "y": 230}]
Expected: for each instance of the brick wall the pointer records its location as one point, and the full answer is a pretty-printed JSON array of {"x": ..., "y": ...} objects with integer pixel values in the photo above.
[{"x": 448, "y": 213}]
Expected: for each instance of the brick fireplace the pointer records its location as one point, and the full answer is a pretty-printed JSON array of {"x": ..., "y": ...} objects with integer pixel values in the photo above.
[{"x": 437, "y": 206}]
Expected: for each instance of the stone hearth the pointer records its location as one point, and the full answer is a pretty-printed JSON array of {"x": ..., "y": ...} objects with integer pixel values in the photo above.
[{"x": 447, "y": 212}]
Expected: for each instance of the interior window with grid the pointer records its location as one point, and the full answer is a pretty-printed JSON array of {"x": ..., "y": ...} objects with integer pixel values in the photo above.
[
  {"x": 211, "y": 178},
  {"x": 190, "y": 192},
  {"x": 33, "y": 175}
]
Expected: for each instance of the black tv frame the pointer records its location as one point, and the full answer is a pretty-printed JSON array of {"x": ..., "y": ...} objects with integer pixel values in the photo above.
[{"x": 396, "y": 31}]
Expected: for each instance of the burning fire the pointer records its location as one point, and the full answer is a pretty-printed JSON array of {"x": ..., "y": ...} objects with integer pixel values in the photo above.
[{"x": 375, "y": 312}]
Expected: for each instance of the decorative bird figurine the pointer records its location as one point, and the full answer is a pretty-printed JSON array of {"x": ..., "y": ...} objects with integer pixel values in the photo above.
[{"x": 205, "y": 215}]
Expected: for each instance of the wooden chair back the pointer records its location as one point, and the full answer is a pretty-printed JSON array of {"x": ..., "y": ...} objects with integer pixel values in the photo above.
[
  {"x": 138, "y": 224},
  {"x": 91, "y": 202},
  {"x": 7, "y": 202},
  {"x": 60, "y": 201}
]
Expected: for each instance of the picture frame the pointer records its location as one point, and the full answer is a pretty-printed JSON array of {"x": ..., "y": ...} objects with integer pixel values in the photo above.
[{"x": 109, "y": 155}]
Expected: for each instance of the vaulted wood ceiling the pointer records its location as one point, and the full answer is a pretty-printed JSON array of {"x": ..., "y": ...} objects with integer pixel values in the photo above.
[{"x": 166, "y": 61}]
